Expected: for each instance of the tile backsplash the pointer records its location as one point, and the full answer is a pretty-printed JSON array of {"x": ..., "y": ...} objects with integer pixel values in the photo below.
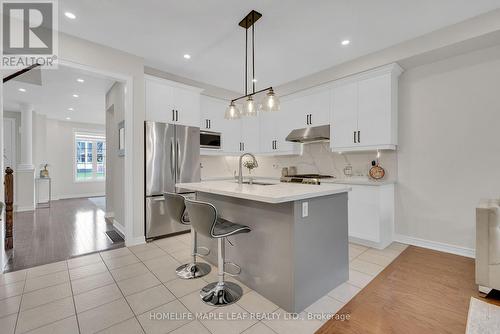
[{"x": 316, "y": 158}]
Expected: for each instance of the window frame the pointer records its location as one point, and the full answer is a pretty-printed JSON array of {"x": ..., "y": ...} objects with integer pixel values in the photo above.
[{"x": 93, "y": 137}]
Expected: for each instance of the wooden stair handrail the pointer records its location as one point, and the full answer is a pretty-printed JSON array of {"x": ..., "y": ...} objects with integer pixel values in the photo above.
[{"x": 9, "y": 207}]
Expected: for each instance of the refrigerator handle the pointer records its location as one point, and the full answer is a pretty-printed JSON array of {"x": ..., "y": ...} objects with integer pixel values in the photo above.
[
  {"x": 172, "y": 158},
  {"x": 178, "y": 158}
]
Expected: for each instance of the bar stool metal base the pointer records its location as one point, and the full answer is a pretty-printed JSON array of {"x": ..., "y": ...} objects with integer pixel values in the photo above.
[
  {"x": 217, "y": 294},
  {"x": 193, "y": 270}
]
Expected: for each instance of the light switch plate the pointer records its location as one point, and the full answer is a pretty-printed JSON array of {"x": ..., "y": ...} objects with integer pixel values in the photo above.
[{"x": 305, "y": 209}]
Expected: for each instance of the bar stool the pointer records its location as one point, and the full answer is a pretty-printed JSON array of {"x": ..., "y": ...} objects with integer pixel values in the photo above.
[
  {"x": 176, "y": 210},
  {"x": 205, "y": 221}
]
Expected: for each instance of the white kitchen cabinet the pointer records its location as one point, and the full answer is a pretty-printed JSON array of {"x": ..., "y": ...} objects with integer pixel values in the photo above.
[
  {"x": 274, "y": 127},
  {"x": 250, "y": 134},
  {"x": 371, "y": 215},
  {"x": 212, "y": 114},
  {"x": 364, "y": 111},
  {"x": 171, "y": 102}
]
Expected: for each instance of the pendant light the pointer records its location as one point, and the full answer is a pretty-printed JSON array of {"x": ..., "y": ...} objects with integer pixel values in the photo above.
[{"x": 270, "y": 101}]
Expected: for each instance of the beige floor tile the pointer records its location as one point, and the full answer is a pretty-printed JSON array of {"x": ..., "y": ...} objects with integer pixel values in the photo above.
[
  {"x": 45, "y": 314},
  {"x": 104, "y": 316},
  {"x": 397, "y": 246},
  {"x": 45, "y": 295},
  {"x": 115, "y": 253},
  {"x": 286, "y": 324},
  {"x": 91, "y": 282},
  {"x": 117, "y": 262},
  {"x": 194, "y": 327},
  {"x": 9, "y": 306},
  {"x": 325, "y": 305},
  {"x": 12, "y": 277},
  {"x": 149, "y": 299},
  {"x": 8, "y": 324},
  {"x": 130, "y": 326},
  {"x": 344, "y": 292},
  {"x": 359, "y": 279},
  {"x": 47, "y": 269},
  {"x": 360, "y": 248},
  {"x": 11, "y": 290},
  {"x": 387, "y": 252},
  {"x": 151, "y": 254},
  {"x": 170, "y": 245},
  {"x": 84, "y": 260},
  {"x": 143, "y": 247},
  {"x": 181, "y": 287},
  {"x": 194, "y": 304},
  {"x": 167, "y": 273},
  {"x": 64, "y": 326},
  {"x": 259, "y": 328},
  {"x": 365, "y": 267},
  {"x": 97, "y": 297},
  {"x": 183, "y": 256},
  {"x": 355, "y": 251},
  {"x": 138, "y": 283},
  {"x": 381, "y": 260},
  {"x": 185, "y": 238},
  {"x": 232, "y": 319},
  {"x": 255, "y": 303},
  {"x": 160, "y": 262},
  {"x": 45, "y": 281},
  {"x": 130, "y": 271},
  {"x": 89, "y": 270},
  {"x": 159, "y": 325}
]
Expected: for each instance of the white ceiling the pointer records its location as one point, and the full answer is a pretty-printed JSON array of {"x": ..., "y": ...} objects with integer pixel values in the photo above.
[
  {"x": 55, "y": 95},
  {"x": 294, "y": 38}
]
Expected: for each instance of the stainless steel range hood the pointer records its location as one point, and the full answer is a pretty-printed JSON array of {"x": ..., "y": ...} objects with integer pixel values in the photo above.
[{"x": 312, "y": 134}]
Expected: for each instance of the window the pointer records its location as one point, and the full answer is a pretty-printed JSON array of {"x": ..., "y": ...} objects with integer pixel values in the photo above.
[{"x": 90, "y": 157}]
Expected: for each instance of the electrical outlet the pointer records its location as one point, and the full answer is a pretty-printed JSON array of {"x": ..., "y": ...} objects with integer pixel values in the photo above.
[{"x": 305, "y": 209}]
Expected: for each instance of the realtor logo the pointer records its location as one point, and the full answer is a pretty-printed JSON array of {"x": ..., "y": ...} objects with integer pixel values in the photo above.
[{"x": 29, "y": 33}]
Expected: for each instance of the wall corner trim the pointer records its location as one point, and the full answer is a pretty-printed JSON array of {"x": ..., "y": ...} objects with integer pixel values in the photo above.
[{"x": 435, "y": 245}]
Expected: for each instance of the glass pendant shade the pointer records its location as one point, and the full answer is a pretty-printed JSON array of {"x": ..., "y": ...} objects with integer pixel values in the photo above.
[
  {"x": 271, "y": 102},
  {"x": 249, "y": 108},
  {"x": 232, "y": 112}
]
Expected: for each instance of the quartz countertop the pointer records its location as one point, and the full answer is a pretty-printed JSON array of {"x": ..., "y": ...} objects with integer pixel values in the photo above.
[{"x": 277, "y": 192}]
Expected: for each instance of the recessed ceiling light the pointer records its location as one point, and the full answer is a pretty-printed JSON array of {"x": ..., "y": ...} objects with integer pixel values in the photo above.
[
  {"x": 75, "y": 95},
  {"x": 187, "y": 56},
  {"x": 22, "y": 90},
  {"x": 80, "y": 80},
  {"x": 70, "y": 15},
  {"x": 345, "y": 42},
  {"x": 68, "y": 118},
  {"x": 71, "y": 109}
]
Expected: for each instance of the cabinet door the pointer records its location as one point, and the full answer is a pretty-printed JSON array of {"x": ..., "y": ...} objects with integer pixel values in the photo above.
[
  {"x": 268, "y": 127},
  {"x": 231, "y": 135},
  {"x": 159, "y": 102},
  {"x": 187, "y": 103},
  {"x": 212, "y": 113},
  {"x": 374, "y": 111},
  {"x": 319, "y": 106},
  {"x": 344, "y": 117},
  {"x": 250, "y": 133},
  {"x": 364, "y": 213}
]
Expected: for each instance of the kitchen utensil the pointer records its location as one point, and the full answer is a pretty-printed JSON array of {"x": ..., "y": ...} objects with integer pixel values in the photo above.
[{"x": 376, "y": 172}]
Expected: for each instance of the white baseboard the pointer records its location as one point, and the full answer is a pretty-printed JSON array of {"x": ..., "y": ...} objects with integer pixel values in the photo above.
[
  {"x": 24, "y": 208},
  {"x": 118, "y": 227},
  {"x": 135, "y": 241},
  {"x": 368, "y": 243},
  {"x": 439, "y": 246},
  {"x": 69, "y": 196}
]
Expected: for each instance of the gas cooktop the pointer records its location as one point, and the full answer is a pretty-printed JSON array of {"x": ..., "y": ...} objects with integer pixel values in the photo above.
[{"x": 305, "y": 178}]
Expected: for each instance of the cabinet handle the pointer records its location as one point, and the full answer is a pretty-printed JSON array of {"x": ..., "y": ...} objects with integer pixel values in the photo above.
[
  {"x": 310, "y": 119},
  {"x": 243, "y": 146},
  {"x": 209, "y": 124},
  {"x": 354, "y": 137},
  {"x": 173, "y": 115},
  {"x": 177, "y": 115},
  {"x": 359, "y": 136},
  {"x": 275, "y": 144},
  {"x": 307, "y": 119}
]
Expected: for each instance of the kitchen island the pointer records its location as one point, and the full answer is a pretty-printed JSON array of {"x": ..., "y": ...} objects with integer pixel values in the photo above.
[{"x": 297, "y": 250}]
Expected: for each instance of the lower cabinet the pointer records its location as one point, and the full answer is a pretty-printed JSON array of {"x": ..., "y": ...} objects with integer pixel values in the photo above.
[{"x": 371, "y": 215}]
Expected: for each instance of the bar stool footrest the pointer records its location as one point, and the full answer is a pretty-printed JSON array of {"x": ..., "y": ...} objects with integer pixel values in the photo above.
[
  {"x": 193, "y": 270},
  {"x": 205, "y": 249},
  {"x": 238, "y": 269}
]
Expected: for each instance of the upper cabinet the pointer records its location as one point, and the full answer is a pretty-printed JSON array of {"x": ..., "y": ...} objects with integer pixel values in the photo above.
[
  {"x": 308, "y": 108},
  {"x": 364, "y": 111},
  {"x": 171, "y": 102}
]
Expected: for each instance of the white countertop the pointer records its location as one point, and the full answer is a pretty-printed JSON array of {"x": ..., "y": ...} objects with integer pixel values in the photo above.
[{"x": 275, "y": 193}]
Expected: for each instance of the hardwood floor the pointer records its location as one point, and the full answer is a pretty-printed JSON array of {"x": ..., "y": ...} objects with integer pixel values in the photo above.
[
  {"x": 422, "y": 291},
  {"x": 68, "y": 228}
]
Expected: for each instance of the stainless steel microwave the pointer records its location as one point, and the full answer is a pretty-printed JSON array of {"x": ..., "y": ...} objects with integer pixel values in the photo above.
[{"x": 210, "y": 140}]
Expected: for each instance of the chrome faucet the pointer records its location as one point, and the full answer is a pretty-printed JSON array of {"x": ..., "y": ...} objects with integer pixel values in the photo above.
[{"x": 240, "y": 172}]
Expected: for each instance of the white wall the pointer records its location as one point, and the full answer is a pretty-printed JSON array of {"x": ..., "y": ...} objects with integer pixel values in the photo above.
[
  {"x": 115, "y": 165},
  {"x": 449, "y": 156},
  {"x": 53, "y": 143}
]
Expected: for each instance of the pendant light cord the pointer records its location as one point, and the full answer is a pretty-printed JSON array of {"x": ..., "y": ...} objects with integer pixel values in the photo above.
[
  {"x": 246, "y": 61},
  {"x": 253, "y": 54}
]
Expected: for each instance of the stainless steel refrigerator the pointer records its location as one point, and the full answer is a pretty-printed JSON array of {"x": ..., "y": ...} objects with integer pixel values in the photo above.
[{"x": 172, "y": 155}]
